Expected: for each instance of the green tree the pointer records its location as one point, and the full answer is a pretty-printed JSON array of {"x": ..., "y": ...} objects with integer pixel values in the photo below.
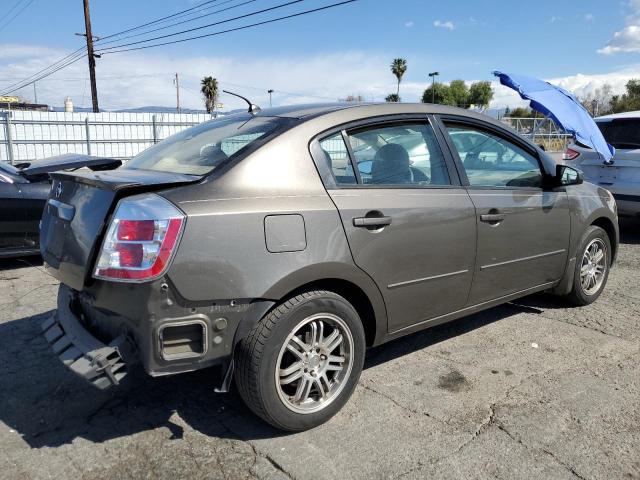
[
  {"x": 481, "y": 94},
  {"x": 521, "y": 112},
  {"x": 459, "y": 93},
  {"x": 392, "y": 97},
  {"x": 210, "y": 92},
  {"x": 629, "y": 101},
  {"x": 398, "y": 68},
  {"x": 442, "y": 94}
]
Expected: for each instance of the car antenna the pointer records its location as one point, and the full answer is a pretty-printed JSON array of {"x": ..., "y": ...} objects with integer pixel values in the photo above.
[{"x": 253, "y": 108}]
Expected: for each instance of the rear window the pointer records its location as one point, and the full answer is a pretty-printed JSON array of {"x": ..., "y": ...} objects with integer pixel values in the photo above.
[
  {"x": 624, "y": 133},
  {"x": 199, "y": 150}
]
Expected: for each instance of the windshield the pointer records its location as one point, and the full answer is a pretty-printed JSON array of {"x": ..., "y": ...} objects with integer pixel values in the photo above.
[
  {"x": 199, "y": 150},
  {"x": 623, "y": 134}
]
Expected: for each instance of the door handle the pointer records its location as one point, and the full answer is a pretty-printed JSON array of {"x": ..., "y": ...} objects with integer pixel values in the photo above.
[
  {"x": 371, "y": 221},
  {"x": 493, "y": 217}
]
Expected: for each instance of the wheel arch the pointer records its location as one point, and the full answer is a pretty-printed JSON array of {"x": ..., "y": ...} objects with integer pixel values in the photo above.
[{"x": 347, "y": 281}]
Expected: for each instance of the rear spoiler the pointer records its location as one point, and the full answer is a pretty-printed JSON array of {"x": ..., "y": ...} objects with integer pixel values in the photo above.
[{"x": 68, "y": 161}]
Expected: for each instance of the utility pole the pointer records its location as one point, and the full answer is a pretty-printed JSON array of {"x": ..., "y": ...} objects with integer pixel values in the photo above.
[
  {"x": 270, "y": 91},
  {"x": 92, "y": 58},
  {"x": 177, "y": 82}
]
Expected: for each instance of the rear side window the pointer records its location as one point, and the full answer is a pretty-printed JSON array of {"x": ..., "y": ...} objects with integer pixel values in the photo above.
[
  {"x": 623, "y": 133},
  {"x": 199, "y": 150},
  {"x": 403, "y": 154},
  {"x": 336, "y": 155}
]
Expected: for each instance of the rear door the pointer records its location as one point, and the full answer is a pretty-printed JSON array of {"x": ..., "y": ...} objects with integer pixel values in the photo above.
[
  {"x": 523, "y": 230},
  {"x": 409, "y": 222}
]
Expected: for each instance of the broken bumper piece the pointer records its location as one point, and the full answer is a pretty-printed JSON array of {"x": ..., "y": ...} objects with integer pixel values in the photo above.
[{"x": 85, "y": 355}]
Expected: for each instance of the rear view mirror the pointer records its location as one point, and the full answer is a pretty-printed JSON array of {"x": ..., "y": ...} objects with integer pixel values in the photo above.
[{"x": 566, "y": 176}]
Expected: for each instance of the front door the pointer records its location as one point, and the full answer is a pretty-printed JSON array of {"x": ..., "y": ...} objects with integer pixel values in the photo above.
[
  {"x": 523, "y": 230},
  {"x": 409, "y": 223}
]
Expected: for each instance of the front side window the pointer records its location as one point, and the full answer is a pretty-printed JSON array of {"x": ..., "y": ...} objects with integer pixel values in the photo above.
[
  {"x": 199, "y": 150},
  {"x": 492, "y": 161},
  {"x": 405, "y": 154}
]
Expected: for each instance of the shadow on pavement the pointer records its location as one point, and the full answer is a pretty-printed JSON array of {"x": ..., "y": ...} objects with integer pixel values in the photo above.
[
  {"x": 49, "y": 406},
  {"x": 21, "y": 262},
  {"x": 629, "y": 231}
]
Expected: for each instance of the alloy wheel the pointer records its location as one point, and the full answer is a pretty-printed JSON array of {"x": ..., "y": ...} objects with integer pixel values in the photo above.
[
  {"x": 594, "y": 267},
  {"x": 314, "y": 363}
]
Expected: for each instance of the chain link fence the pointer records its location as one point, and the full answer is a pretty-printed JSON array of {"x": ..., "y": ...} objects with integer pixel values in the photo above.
[{"x": 541, "y": 131}]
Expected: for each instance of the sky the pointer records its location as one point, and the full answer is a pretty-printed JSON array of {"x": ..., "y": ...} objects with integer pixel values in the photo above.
[{"x": 323, "y": 56}]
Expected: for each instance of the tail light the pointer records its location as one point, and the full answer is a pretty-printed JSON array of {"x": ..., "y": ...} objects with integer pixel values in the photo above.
[
  {"x": 141, "y": 239},
  {"x": 570, "y": 154}
]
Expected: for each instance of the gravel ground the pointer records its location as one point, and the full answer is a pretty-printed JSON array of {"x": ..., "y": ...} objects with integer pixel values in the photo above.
[{"x": 527, "y": 390}]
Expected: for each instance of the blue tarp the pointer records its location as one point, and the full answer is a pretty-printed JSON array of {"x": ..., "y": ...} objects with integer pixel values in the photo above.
[{"x": 562, "y": 107}]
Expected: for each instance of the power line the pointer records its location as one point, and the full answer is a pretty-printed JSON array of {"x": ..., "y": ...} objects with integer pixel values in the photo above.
[
  {"x": 158, "y": 20},
  {"x": 243, "y": 27},
  {"x": 100, "y": 41},
  {"x": 204, "y": 26},
  {"x": 6, "y": 15},
  {"x": 44, "y": 75},
  {"x": 16, "y": 14},
  {"x": 53, "y": 65}
]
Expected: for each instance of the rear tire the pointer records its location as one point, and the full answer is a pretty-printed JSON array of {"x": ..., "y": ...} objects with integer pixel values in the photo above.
[
  {"x": 300, "y": 364},
  {"x": 593, "y": 260}
]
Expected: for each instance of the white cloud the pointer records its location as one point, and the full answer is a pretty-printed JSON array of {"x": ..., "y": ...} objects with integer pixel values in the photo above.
[
  {"x": 626, "y": 40},
  {"x": 408, "y": 24},
  {"x": 589, "y": 17},
  {"x": 138, "y": 79},
  {"x": 448, "y": 25},
  {"x": 555, "y": 19},
  {"x": 131, "y": 80}
]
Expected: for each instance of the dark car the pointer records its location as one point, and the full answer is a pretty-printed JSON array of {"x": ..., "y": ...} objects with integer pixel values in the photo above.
[
  {"x": 256, "y": 242},
  {"x": 24, "y": 190}
]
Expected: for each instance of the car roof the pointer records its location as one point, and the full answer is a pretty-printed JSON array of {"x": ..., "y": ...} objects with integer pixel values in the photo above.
[
  {"x": 615, "y": 116},
  {"x": 308, "y": 111}
]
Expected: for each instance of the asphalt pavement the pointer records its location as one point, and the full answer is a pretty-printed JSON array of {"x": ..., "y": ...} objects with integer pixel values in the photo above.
[{"x": 531, "y": 389}]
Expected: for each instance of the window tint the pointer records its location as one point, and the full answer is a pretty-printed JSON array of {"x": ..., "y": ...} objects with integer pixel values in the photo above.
[
  {"x": 336, "y": 155},
  {"x": 624, "y": 134},
  {"x": 406, "y": 154},
  {"x": 491, "y": 161}
]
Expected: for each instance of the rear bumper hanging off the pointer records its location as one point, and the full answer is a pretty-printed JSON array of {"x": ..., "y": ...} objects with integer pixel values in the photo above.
[{"x": 81, "y": 352}]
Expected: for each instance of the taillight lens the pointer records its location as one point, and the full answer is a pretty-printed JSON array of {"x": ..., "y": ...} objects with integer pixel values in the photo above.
[
  {"x": 570, "y": 154},
  {"x": 141, "y": 239}
]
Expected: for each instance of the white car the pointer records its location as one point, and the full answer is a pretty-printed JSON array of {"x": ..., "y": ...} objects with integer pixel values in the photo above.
[{"x": 621, "y": 176}]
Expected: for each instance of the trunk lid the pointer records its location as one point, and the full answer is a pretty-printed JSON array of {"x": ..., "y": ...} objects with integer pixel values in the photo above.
[{"x": 78, "y": 210}]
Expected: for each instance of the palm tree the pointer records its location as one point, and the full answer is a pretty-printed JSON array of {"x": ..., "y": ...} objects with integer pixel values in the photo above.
[
  {"x": 398, "y": 68},
  {"x": 210, "y": 91}
]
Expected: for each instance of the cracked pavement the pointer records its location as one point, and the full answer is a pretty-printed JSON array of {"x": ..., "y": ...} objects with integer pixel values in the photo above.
[{"x": 526, "y": 390}]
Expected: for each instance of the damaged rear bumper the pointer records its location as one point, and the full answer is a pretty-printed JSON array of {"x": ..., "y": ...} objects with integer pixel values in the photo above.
[{"x": 102, "y": 365}]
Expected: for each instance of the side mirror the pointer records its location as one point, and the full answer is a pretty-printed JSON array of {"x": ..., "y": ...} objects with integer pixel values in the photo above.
[{"x": 566, "y": 176}]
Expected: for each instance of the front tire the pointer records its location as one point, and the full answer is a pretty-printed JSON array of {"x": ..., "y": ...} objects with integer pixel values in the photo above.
[
  {"x": 300, "y": 364},
  {"x": 592, "y": 267}
]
